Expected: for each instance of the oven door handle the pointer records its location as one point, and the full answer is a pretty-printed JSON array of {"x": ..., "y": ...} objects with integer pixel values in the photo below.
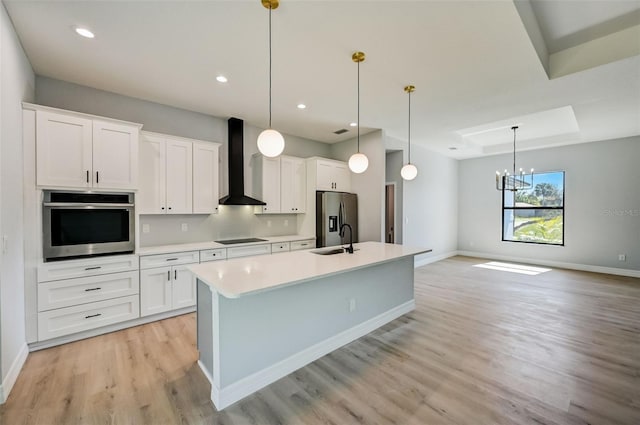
[{"x": 83, "y": 205}]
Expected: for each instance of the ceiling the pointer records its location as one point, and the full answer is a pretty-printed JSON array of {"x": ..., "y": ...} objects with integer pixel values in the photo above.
[{"x": 479, "y": 67}]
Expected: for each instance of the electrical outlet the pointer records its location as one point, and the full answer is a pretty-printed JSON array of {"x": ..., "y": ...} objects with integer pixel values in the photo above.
[
  {"x": 268, "y": 223},
  {"x": 286, "y": 223},
  {"x": 185, "y": 227},
  {"x": 352, "y": 305},
  {"x": 146, "y": 228},
  {"x": 5, "y": 244},
  {"x": 406, "y": 220},
  {"x": 622, "y": 257}
]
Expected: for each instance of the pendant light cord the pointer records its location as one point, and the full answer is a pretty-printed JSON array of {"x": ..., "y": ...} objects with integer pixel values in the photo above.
[
  {"x": 409, "y": 127},
  {"x": 358, "y": 107},
  {"x": 270, "y": 67},
  {"x": 514, "y": 150}
]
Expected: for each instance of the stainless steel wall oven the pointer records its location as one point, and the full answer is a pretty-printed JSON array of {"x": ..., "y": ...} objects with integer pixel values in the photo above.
[{"x": 83, "y": 224}]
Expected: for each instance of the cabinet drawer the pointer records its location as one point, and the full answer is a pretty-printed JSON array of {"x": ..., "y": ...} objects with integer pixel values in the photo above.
[
  {"x": 69, "y": 320},
  {"x": 160, "y": 260},
  {"x": 245, "y": 251},
  {"x": 279, "y": 247},
  {"x": 306, "y": 244},
  {"x": 213, "y": 255},
  {"x": 86, "y": 267},
  {"x": 65, "y": 293}
]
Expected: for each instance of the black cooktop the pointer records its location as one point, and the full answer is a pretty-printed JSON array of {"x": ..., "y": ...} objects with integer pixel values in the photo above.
[{"x": 234, "y": 241}]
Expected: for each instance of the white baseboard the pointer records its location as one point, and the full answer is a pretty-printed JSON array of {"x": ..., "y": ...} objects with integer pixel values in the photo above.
[
  {"x": 558, "y": 264},
  {"x": 429, "y": 260},
  {"x": 12, "y": 375},
  {"x": 107, "y": 329},
  {"x": 223, "y": 397}
]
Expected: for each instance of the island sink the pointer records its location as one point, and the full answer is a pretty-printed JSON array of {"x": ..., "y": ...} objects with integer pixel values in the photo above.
[{"x": 331, "y": 251}]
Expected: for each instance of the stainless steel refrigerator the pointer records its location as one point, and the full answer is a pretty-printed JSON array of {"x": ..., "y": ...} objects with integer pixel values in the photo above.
[{"x": 333, "y": 209}]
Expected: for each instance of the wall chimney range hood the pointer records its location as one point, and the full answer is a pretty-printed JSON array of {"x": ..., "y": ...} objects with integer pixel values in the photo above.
[{"x": 235, "y": 147}]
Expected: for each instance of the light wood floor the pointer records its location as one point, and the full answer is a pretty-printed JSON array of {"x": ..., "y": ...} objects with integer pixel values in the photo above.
[{"x": 482, "y": 347}]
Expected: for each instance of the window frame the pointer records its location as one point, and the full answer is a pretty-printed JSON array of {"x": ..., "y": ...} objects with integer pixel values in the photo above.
[{"x": 514, "y": 208}]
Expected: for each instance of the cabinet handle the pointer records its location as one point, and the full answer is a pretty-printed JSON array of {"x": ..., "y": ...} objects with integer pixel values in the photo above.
[
  {"x": 168, "y": 274},
  {"x": 87, "y": 176},
  {"x": 93, "y": 315},
  {"x": 171, "y": 259},
  {"x": 97, "y": 177},
  {"x": 92, "y": 289},
  {"x": 175, "y": 275},
  {"x": 304, "y": 244},
  {"x": 93, "y": 268}
]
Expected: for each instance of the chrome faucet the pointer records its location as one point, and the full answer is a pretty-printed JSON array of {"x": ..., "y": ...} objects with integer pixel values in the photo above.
[{"x": 349, "y": 248}]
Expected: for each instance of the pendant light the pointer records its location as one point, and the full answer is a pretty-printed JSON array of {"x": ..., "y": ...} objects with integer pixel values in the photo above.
[
  {"x": 270, "y": 141},
  {"x": 409, "y": 171},
  {"x": 358, "y": 162},
  {"x": 514, "y": 182}
]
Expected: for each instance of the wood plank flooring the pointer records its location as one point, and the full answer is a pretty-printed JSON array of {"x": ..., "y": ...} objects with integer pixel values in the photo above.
[{"x": 482, "y": 347}]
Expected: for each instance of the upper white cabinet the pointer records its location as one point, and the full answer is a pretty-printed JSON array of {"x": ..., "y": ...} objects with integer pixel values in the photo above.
[
  {"x": 205, "y": 177},
  {"x": 281, "y": 183},
  {"x": 330, "y": 175},
  {"x": 293, "y": 183},
  {"x": 77, "y": 151},
  {"x": 177, "y": 175}
]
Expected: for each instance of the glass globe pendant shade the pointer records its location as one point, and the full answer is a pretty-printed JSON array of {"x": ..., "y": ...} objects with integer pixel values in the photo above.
[
  {"x": 409, "y": 172},
  {"x": 358, "y": 163},
  {"x": 270, "y": 143}
]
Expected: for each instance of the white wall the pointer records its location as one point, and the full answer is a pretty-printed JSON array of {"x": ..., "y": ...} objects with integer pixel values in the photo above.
[
  {"x": 602, "y": 205},
  {"x": 368, "y": 185},
  {"x": 17, "y": 85},
  {"x": 431, "y": 205}
]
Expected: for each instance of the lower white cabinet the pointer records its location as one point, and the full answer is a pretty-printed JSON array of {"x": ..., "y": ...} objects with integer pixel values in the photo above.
[
  {"x": 305, "y": 244},
  {"x": 80, "y": 295},
  {"x": 166, "y": 288},
  {"x": 279, "y": 247},
  {"x": 246, "y": 251},
  {"x": 84, "y": 317}
]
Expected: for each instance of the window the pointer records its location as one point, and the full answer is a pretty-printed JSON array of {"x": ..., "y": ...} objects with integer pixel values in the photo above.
[{"x": 535, "y": 214}]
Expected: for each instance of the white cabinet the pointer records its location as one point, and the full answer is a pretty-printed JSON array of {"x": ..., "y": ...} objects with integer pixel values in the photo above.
[
  {"x": 280, "y": 247},
  {"x": 73, "y": 150},
  {"x": 177, "y": 175},
  {"x": 205, "y": 177},
  {"x": 248, "y": 250},
  {"x": 80, "y": 295},
  {"x": 266, "y": 182},
  {"x": 331, "y": 175},
  {"x": 281, "y": 183},
  {"x": 300, "y": 245},
  {"x": 293, "y": 183},
  {"x": 168, "y": 287}
]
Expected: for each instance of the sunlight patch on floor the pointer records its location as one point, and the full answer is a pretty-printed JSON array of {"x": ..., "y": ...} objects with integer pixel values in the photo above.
[{"x": 513, "y": 268}]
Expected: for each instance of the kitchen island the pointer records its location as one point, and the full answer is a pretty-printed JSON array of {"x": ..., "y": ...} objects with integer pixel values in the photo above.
[{"x": 261, "y": 318}]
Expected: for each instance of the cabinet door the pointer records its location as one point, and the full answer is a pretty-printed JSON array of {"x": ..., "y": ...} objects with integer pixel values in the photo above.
[
  {"x": 63, "y": 150},
  {"x": 179, "y": 177},
  {"x": 324, "y": 172},
  {"x": 184, "y": 287},
  {"x": 205, "y": 178},
  {"x": 342, "y": 177},
  {"x": 300, "y": 185},
  {"x": 155, "y": 291},
  {"x": 271, "y": 185},
  {"x": 293, "y": 183},
  {"x": 115, "y": 156},
  {"x": 151, "y": 198}
]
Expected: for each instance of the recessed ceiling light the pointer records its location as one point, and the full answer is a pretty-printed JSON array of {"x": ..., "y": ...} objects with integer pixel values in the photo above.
[
  {"x": 354, "y": 124},
  {"x": 221, "y": 79},
  {"x": 302, "y": 106},
  {"x": 84, "y": 32}
]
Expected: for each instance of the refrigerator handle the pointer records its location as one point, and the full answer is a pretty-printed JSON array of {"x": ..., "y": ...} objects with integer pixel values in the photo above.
[{"x": 340, "y": 212}]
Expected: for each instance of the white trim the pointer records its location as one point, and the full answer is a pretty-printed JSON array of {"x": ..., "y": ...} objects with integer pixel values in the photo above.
[
  {"x": 14, "y": 371},
  {"x": 558, "y": 264},
  {"x": 428, "y": 260},
  {"x": 226, "y": 396},
  {"x": 107, "y": 329}
]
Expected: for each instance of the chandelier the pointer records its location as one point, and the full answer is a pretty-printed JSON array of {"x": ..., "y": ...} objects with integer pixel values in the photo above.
[{"x": 514, "y": 181}]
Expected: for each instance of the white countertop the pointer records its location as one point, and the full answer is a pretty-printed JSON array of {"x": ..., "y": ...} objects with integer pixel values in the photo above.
[
  {"x": 249, "y": 275},
  {"x": 166, "y": 249}
]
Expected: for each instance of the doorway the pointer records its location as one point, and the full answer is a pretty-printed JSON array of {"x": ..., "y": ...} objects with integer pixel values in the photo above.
[{"x": 390, "y": 213}]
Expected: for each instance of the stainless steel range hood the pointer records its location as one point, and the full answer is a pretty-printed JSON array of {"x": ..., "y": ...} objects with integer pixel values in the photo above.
[{"x": 236, "y": 194}]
